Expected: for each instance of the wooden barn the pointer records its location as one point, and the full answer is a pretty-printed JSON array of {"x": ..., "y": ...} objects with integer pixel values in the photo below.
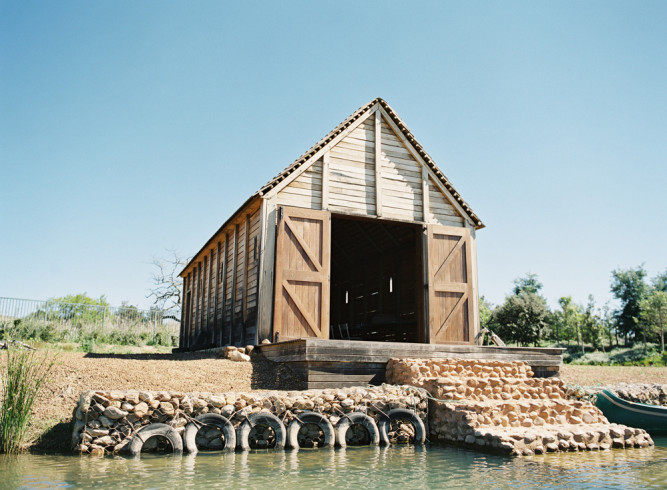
[{"x": 361, "y": 238}]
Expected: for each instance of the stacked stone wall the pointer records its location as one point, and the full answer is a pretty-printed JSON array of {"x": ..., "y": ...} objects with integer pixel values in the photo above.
[
  {"x": 499, "y": 405},
  {"x": 105, "y": 421}
]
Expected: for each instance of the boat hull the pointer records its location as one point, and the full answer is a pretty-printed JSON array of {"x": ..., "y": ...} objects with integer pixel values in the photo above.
[{"x": 651, "y": 418}]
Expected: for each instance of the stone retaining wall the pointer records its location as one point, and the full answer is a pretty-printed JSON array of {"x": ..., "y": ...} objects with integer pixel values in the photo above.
[
  {"x": 105, "y": 421},
  {"x": 499, "y": 405}
]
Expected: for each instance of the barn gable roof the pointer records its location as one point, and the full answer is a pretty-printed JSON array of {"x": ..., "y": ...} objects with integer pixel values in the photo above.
[{"x": 308, "y": 156}]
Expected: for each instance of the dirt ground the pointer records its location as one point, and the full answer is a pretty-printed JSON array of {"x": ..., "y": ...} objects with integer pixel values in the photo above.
[
  {"x": 608, "y": 375},
  {"x": 76, "y": 372}
]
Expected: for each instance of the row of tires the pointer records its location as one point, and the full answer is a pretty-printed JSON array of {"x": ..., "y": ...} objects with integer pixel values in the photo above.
[{"x": 378, "y": 433}]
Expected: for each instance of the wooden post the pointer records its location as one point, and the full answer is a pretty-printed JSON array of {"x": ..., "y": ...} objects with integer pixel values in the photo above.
[
  {"x": 476, "y": 327},
  {"x": 184, "y": 314},
  {"x": 197, "y": 300},
  {"x": 224, "y": 291},
  {"x": 378, "y": 164},
  {"x": 268, "y": 220},
  {"x": 244, "y": 306},
  {"x": 216, "y": 339},
  {"x": 234, "y": 262},
  {"x": 325, "y": 181},
  {"x": 426, "y": 201},
  {"x": 426, "y": 330}
]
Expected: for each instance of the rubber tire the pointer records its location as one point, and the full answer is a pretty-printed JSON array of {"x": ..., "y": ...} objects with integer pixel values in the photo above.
[
  {"x": 402, "y": 413},
  {"x": 310, "y": 418},
  {"x": 357, "y": 418},
  {"x": 152, "y": 430},
  {"x": 261, "y": 418},
  {"x": 223, "y": 423}
]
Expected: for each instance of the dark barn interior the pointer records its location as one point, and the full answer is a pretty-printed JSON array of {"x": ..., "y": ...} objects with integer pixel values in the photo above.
[{"x": 376, "y": 269}]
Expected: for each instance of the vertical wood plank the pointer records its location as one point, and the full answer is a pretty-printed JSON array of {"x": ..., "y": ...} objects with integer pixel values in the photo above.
[
  {"x": 325, "y": 181},
  {"x": 209, "y": 320},
  {"x": 266, "y": 268},
  {"x": 246, "y": 255},
  {"x": 234, "y": 264},
  {"x": 216, "y": 322},
  {"x": 195, "y": 332},
  {"x": 184, "y": 315},
  {"x": 475, "y": 288},
  {"x": 225, "y": 307},
  {"x": 426, "y": 201},
  {"x": 378, "y": 163}
]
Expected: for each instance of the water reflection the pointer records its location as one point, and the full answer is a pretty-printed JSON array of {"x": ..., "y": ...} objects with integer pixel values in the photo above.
[{"x": 393, "y": 467}]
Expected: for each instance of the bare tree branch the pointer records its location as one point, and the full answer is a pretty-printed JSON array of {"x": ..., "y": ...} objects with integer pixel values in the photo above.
[{"x": 167, "y": 286}]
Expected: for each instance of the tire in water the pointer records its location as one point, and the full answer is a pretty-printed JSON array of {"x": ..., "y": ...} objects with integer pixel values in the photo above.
[
  {"x": 153, "y": 430},
  {"x": 357, "y": 418},
  {"x": 310, "y": 418},
  {"x": 402, "y": 414},
  {"x": 263, "y": 418},
  {"x": 190, "y": 434}
]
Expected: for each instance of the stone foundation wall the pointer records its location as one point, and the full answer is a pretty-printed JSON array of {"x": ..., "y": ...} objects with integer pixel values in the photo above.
[
  {"x": 500, "y": 406},
  {"x": 105, "y": 421}
]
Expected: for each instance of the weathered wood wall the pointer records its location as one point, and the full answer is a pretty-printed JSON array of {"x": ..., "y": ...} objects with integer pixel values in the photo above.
[
  {"x": 221, "y": 286},
  {"x": 373, "y": 171}
]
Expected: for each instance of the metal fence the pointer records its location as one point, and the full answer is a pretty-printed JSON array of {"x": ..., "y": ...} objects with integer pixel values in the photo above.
[{"x": 74, "y": 322}]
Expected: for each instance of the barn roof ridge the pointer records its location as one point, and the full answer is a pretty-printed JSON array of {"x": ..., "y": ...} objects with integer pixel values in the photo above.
[{"x": 305, "y": 157}]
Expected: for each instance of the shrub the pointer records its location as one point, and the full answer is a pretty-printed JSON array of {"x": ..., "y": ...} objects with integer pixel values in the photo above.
[{"x": 25, "y": 375}]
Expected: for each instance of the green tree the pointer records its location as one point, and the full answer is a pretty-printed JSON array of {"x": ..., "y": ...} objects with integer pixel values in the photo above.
[
  {"x": 485, "y": 313},
  {"x": 524, "y": 316},
  {"x": 567, "y": 320},
  {"x": 592, "y": 327},
  {"x": 660, "y": 282},
  {"x": 654, "y": 314},
  {"x": 528, "y": 284},
  {"x": 629, "y": 286}
]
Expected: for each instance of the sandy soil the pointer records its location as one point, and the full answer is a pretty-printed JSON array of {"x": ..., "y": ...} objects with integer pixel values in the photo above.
[
  {"x": 608, "y": 375},
  {"x": 76, "y": 372}
]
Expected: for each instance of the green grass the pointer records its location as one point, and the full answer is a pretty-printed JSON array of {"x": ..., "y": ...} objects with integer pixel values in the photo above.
[
  {"x": 619, "y": 356},
  {"x": 25, "y": 375},
  {"x": 86, "y": 337}
]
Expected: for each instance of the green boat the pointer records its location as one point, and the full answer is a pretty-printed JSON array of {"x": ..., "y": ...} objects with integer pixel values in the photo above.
[{"x": 651, "y": 418}]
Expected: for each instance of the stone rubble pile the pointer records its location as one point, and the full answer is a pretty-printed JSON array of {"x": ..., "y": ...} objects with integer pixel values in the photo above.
[
  {"x": 105, "y": 421},
  {"x": 499, "y": 406},
  {"x": 650, "y": 394}
]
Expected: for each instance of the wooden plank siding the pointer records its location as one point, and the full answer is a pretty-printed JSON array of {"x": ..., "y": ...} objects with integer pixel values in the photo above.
[
  {"x": 223, "y": 286},
  {"x": 401, "y": 179},
  {"x": 352, "y": 172},
  {"x": 375, "y": 175}
]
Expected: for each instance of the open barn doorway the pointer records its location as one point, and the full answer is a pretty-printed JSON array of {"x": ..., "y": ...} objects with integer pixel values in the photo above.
[{"x": 376, "y": 280}]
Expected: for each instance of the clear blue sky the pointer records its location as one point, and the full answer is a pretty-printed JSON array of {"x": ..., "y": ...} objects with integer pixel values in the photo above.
[{"x": 127, "y": 128}]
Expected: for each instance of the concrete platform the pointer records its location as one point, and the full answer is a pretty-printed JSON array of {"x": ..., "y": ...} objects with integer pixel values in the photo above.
[{"x": 339, "y": 363}]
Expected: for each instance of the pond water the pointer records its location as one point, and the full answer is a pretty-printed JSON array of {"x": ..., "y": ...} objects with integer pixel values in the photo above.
[{"x": 363, "y": 467}]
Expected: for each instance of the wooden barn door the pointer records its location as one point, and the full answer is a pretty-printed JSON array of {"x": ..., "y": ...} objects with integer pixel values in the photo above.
[
  {"x": 303, "y": 250},
  {"x": 450, "y": 285}
]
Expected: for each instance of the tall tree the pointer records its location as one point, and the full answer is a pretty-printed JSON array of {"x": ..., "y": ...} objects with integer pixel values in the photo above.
[
  {"x": 528, "y": 284},
  {"x": 592, "y": 327},
  {"x": 660, "y": 282},
  {"x": 629, "y": 286},
  {"x": 568, "y": 319},
  {"x": 654, "y": 313}
]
